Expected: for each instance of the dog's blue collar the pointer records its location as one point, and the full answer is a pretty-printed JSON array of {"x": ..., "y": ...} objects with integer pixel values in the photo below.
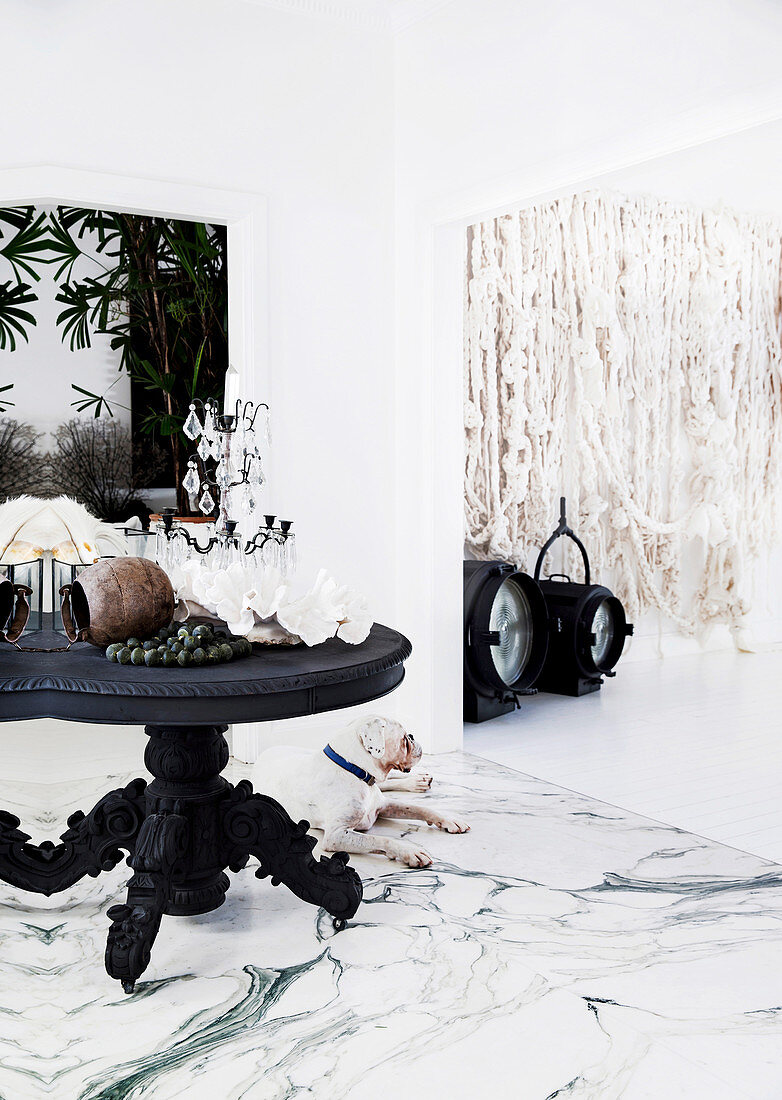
[{"x": 353, "y": 768}]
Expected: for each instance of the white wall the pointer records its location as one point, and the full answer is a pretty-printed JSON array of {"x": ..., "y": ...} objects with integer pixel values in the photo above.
[
  {"x": 500, "y": 103},
  {"x": 499, "y": 94},
  {"x": 43, "y": 369}
]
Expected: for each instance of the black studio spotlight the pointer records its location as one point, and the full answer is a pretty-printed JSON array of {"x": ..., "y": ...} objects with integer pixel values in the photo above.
[
  {"x": 505, "y": 638},
  {"x": 588, "y": 626}
]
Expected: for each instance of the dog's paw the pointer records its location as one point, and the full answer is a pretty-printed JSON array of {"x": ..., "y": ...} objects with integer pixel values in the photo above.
[
  {"x": 422, "y": 782},
  {"x": 452, "y": 826},
  {"x": 412, "y": 856}
]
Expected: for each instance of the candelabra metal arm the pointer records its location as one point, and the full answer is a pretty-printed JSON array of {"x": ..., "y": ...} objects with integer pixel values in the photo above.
[
  {"x": 280, "y": 534},
  {"x": 194, "y": 545},
  {"x": 245, "y": 476},
  {"x": 244, "y": 412},
  {"x": 253, "y": 544},
  {"x": 248, "y": 405},
  {"x": 172, "y": 533},
  {"x": 202, "y": 406},
  {"x": 211, "y": 483}
]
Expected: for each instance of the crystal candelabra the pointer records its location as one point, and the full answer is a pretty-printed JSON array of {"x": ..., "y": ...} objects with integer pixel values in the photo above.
[
  {"x": 273, "y": 544},
  {"x": 232, "y": 444}
]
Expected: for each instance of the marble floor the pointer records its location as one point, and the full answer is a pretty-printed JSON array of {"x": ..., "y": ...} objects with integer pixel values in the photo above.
[{"x": 562, "y": 948}]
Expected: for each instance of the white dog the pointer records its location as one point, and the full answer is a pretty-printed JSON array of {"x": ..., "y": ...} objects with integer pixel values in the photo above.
[{"x": 341, "y": 789}]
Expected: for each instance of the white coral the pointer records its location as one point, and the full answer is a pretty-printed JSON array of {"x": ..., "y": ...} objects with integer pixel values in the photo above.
[
  {"x": 313, "y": 616},
  {"x": 269, "y": 593},
  {"x": 355, "y": 621},
  {"x": 247, "y": 598},
  {"x": 223, "y": 591}
]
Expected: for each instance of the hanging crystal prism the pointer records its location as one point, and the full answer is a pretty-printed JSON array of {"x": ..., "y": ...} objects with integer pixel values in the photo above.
[
  {"x": 207, "y": 557},
  {"x": 267, "y": 427},
  {"x": 161, "y": 546},
  {"x": 240, "y": 443},
  {"x": 219, "y": 553},
  {"x": 223, "y": 475},
  {"x": 192, "y": 426},
  {"x": 206, "y": 503},
  {"x": 290, "y": 555},
  {"x": 177, "y": 547},
  {"x": 234, "y": 553},
  {"x": 275, "y": 556},
  {"x": 204, "y": 448},
  {"x": 248, "y": 497},
  {"x": 191, "y": 482},
  {"x": 211, "y": 437},
  {"x": 236, "y": 462}
]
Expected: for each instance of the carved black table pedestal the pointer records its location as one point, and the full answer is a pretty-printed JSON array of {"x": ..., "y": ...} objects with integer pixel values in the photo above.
[{"x": 189, "y": 825}]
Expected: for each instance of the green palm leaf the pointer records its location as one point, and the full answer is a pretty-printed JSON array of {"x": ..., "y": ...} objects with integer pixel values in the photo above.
[
  {"x": 18, "y": 217},
  {"x": 13, "y": 319},
  {"x": 93, "y": 401},
  {"x": 65, "y": 251},
  {"x": 75, "y": 318},
  {"x": 29, "y": 246},
  {"x": 5, "y": 404}
]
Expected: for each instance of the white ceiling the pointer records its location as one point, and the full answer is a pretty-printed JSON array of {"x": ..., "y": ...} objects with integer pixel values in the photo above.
[{"x": 388, "y": 15}]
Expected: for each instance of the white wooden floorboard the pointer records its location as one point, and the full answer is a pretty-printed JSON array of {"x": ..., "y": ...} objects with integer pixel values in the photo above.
[{"x": 694, "y": 741}]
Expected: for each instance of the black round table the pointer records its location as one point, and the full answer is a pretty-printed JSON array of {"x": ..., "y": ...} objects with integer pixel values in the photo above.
[{"x": 182, "y": 830}]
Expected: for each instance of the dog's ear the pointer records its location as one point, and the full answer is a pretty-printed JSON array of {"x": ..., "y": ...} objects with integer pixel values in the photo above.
[{"x": 372, "y": 735}]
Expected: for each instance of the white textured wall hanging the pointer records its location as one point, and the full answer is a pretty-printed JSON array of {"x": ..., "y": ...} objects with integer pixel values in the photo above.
[{"x": 626, "y": 351}]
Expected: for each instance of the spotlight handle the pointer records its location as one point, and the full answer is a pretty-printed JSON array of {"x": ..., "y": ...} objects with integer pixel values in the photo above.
[
  {"x": 513, "y": 696},
  {"x": 562, "y": 529}
]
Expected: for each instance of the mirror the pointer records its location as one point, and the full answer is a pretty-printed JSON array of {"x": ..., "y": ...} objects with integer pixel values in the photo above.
[{"x": 111, "y": 324}]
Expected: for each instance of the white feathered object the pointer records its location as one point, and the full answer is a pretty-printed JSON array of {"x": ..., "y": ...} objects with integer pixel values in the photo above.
[{"x": 29, "y": 526}]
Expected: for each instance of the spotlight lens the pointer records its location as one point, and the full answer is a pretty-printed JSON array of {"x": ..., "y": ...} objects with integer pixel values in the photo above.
[
  {"x": 511, "y": 617},
  {"x": 603, "y": 630}
]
